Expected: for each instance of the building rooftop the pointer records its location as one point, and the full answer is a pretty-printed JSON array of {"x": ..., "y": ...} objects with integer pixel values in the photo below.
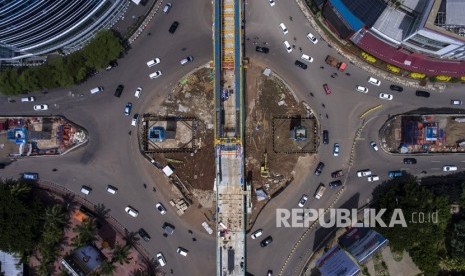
[
  {"x": 8, "y": 265},
  {"x": 454, "y": 12},
  {"x": 394, "y": 23}
]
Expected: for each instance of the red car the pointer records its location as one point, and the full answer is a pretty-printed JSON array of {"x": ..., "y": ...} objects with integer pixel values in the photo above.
[{"x": 327, "y": 90}]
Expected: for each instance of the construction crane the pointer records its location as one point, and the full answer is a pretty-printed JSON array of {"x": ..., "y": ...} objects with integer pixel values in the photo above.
[{"x": 264, "y": 172}]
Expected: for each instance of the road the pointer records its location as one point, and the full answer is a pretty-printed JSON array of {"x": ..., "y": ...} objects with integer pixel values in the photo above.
[{"x": 112, "y": 157}]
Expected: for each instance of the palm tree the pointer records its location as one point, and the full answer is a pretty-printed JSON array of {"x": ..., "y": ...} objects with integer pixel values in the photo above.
[
  {"x": 55, "y": 216},
  {"x": 107, "y": 268},
  {"x": 19, "y": 189},
  {"x": 86, "y": 233},
  {"x": 130, "y": 238},
  {"x": 69, "y": 201},
  {"x": 101, "y": 212},
  {"x": 150, "y": 268},
  {"x": 121, "y": 254}
]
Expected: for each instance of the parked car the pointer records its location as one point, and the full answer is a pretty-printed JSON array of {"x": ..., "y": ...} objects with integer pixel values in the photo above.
[
  {"x": 393, "y": 174},
  {"x": 28, "y": 99},
  {"x": 119, "y": 90},
  {"x": 283, "y": 28},
  {"x": 449, "y": 168},
  {"x": 138, "y": 92},
  {"x": 335, "y": 183},
  {"x": 306, "y": 58},
  {"x": 144, "y": 235},
  {"x": 397, "y": 88},
  {"x": 272, "y": 3},
  {"x": 300, "y": 64},
  {"x": 112, "y": 65},
  {"x": 337, "y": 174},
  {"x": 168, "y": 228},
  {"x": 30, "y": 176},
  {"x": 182, "y": 251},
  {"x": 374, "y": 81},
  {"x": 264, "y": 50},
  {"x": 326, "y": 88},
  {"x": 160, "y": 208},
  {"x": 325, "y": 137},
  {"x": 266, "y": 241},
  {"x": 312, "y": 38},
  {"x": 131, "y": 211},
  {"x": 303, "y": 200},
  {"x": 410, "y": 161},
  {"x": 153, "y": 62},
  {"x": 256, "y": 234},
  {"x": 455, "y": 102},
  {"x": 155, "y": 75},
  {"x": 86, "y": 189},
  {"x": 173, "y": 27},
  {"x": 374, "y": 146},
  {"x": 361, "y": 89},
  {"x": 386, "y": 96},
  {"x": 161, "y": 259},
  {"x": 167, "y": 8},
  {"x": 41, "y": 107},
  {"x": 127, "y": 109},
  {"x": 112, "y": 189},
  {"x": 424, "y": 94},
  {"x": 186, "y": 60},
  {"x": 336, "y": 149},
  {"x": 373, "y": 178},
  {"x": 287, "y": 46},
  {"x": 319, "y": 168},
  {"x": 363, "y": 173}
]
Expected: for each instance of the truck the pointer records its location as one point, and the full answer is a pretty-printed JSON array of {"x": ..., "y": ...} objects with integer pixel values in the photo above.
[{"x": 332, "y": 61}]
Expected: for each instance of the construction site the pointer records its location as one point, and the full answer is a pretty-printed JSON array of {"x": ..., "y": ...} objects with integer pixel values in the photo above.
[{"x": 431, "y": 133}]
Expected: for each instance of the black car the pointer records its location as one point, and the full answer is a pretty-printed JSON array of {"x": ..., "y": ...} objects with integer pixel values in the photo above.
[
  {"x": 266, "y": 241},
  {"x": 335, "y": 183},
  {"x": 319, "y": 168},
  {"x": 300, "y": 64},
  {"x": 396, "y": 88},
  {"x": 173, "y": 27},
  {"x": 119, "y": 90},
  {"x": 420, "y": 93},
  {"x": 337, "y": 174},
  {"x": 325, "y": 137},
  {"x": 144, "y": 235},
  {"x": 410, "y": 161},
  {"x": 262, "y": 49}
]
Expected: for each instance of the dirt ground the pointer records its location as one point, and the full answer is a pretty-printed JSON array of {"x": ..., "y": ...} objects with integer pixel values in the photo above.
[{"x": 268, "y": 98}]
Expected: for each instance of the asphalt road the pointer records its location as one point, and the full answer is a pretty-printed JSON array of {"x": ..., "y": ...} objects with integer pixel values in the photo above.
[{"x": 111, "y": 156}]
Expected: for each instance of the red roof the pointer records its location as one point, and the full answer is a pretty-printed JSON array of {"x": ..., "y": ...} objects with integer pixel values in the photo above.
[{"x": 414, "y": 62}]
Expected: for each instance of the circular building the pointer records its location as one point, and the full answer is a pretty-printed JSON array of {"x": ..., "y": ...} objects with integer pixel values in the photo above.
[{"x": 31, "y": 28}]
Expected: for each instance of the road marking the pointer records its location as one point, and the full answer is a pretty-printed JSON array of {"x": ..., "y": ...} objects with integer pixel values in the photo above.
[
  {"x": 435, "y": 161},
  {"x": 462, "y": 161}
]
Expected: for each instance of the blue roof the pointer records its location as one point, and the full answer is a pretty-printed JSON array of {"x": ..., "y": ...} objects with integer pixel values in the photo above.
[{"x": 354, "y": 22}]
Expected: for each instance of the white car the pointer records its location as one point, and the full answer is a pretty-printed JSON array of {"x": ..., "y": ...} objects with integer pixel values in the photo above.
[
  {"x": 182, "y": 251},
  {"x": 303, "y": 200},
  {"x": 256, "y": 234},
  {"x": 386, "y": 96},
  {"x": 336, "y": 149},
  {"x": 287, "y": 46},
  {"x": 361, "y": 89},
  {"x": 363, "y": 173},
  {"x": 161, "y": 208},
  {"x": 272, "y": 3},
  {"x": 283, "y": 28},
  {"x": 374, "y": 146},
  {"x": 40, "y": 107},
  {"x": 312, "y": 38},
  {"x": 135, "y": 119},
  {"x": 374, "y": 81},
  {"x": 449, "y": 168},
  {"x": 155, "y": 75},
  {"x": 161, "y": 259},
  {"x": 167, "y": 8},
  {"x": 138, "y": 92},
  {"x": 131, "y": 211},
  {"x": 28, "y": 99},
  {"x": 306, "y": 58},
  {"x": 373, "y": 178},
  {"x": 452, "y": 102},
  {"x": 153, "y": 62}
]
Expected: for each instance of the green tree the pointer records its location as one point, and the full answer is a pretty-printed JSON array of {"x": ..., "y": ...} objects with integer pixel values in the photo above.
[
  {"x": 105, "y": 47},
  {"x": 457, "y": 240},
  {"x": 85, "y": 233},
  {"x": 55, "y": 216},
  {"x": 130, "y": 238},
  {"x": 107, "y": 268},
  {"x": 121, "y": 254},
  {"x": 101, "y": 211},
  {"x": 9, "y": 81}
]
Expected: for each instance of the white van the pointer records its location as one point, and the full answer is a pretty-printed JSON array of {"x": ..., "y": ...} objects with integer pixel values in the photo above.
[
  {"x": 96, "y": 90},
  {"x": 320, "y": 191},
  {"x": 112, "y": 189},
  {"x": 28, "y": 99},
  {"x": 86, "y": 189},
  {"x": 181, "y": 251},
  {"x": 161, "y": 259}
]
